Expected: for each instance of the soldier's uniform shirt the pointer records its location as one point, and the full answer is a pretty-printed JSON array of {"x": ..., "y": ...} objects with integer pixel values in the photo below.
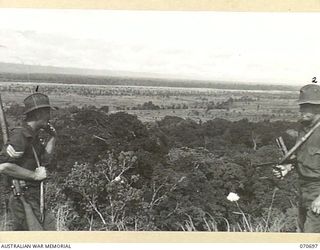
[
  {"x": 308, "y": 168},
  {"x": 19, "y": 150}
]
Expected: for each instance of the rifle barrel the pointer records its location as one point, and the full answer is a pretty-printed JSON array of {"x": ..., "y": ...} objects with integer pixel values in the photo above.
[
  {"x": 3, "y": 121},
  {"x": 299, "y": 143},
  {"x": 265, "y": 164}
]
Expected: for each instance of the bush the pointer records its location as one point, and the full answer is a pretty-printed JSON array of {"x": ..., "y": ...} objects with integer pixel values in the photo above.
[
  {"x": 103, "y": 196},
  {"x": 174, "y": 174}
]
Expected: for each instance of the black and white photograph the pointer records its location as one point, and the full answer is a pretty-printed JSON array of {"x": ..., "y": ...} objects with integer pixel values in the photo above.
[{"x": 123, "y": 120}]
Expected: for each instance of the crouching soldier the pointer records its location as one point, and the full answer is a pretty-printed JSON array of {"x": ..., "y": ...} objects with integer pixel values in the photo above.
[
  {"x": 308, "y": 160},
  {"x": 21, "y": 159}
]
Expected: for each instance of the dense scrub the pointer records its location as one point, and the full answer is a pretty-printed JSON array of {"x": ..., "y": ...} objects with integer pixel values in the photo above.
[{"x": 112, "y": 172}]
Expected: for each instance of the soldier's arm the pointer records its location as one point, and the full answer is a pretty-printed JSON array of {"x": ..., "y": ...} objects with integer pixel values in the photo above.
[
  {"x": 15, "y": 171},
  {"x": 12, "y": 153}
]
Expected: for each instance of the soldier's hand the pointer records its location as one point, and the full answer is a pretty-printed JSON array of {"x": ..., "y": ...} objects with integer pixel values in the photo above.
[
  {"x": 315, "y": 205},
  {"x": 51, "y": 130},
  {"x": 40, "y": 174},
  {"x": 281, "y": 171}
]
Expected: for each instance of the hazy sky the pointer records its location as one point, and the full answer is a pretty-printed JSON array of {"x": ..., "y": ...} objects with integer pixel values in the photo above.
[{"x": 279, "y": 48}]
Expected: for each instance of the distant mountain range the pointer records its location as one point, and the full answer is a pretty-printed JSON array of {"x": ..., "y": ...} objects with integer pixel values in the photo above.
[{"x": 39, "y": 69}]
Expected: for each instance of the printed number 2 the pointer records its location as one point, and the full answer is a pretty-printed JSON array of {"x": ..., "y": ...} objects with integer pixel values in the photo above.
[{"x": 314, "y": 80}]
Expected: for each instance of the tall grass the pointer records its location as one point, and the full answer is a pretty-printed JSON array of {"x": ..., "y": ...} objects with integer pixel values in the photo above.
[
  {"x": 277, "y": 222},
  {"x": 273, "y": 220},
  {"x": 61, "y": 218}
]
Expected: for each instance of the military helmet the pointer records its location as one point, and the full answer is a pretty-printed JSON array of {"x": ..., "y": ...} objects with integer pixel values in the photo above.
[
  {"x": 309, "y": 94},
  {"x": 36, "y": 101}
]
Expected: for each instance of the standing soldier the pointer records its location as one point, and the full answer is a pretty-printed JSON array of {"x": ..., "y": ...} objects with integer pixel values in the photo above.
[
  {"x": 308, "y": 161},
  {"x": 21, "y": 157}
]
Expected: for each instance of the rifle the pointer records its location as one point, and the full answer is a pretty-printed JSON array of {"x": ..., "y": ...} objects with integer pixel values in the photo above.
[
  {"x": 32, "y": 221},
  {"x": 4, "y": 129},
  {"x": 41, "y": 187},
  {"x": 299, "y": 143},
  {"x": 289, "y": 154},
  {"x": 4, "y": 126},
  {"x": 282, "y": 147}
]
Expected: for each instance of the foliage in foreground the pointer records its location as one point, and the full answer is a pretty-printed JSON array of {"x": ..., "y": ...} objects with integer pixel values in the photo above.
[{"x": 112, "y": 172}]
